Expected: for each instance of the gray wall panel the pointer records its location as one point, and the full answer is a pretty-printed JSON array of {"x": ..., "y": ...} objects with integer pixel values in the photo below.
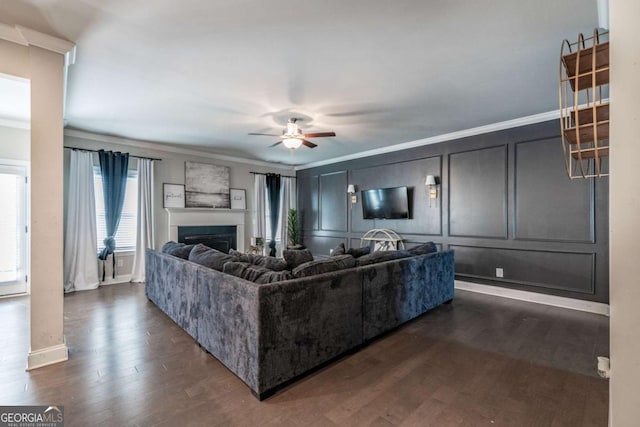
[
  {"x": 333, "y": 201},
  {"x": 478, "y": 193},
  {"x": 308, "y": 202},
  {"x": 355, "y": 243},
  {"x": 543, "y": 191},
  {"x": 321, "y": 245},
  {"x": 566, "y": 271},
  {"x": 548, "y": 233},
  {"x": 425, "y": 219}
]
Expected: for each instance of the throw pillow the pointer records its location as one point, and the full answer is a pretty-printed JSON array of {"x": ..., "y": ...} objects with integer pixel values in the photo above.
[
  {"x": 209, "y": 257},
  {"x": 179, "y": 250},
  {"x": 274, "y": 276},
  {"x": 238, "y": 256},
  {"x": 338, "y": 250},
  {"x": 358, "y": 252},
  {"x": 423, "y": 249},
  {"x": 324, "y": 265},
  {"x": 270, "y": 262},
  {"x": 254, "y": 273},
  {"x": 382, "y": 256},
  {"x": 295, "y": 257}
]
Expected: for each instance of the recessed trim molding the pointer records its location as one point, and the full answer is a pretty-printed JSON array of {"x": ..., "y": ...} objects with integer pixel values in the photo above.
[
  {"x": 47, "y": 356},
  {"x": 534, "y": 297}
]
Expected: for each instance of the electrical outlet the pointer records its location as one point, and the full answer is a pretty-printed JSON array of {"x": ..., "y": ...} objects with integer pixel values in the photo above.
[
  {"x": 499, "y": 272},
  {"x": 120, "y": 263}
]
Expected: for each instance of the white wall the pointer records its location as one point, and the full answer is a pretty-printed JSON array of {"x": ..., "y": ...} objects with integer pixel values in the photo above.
[
  {"x": 14, "y": 143},
  {"x": 171, "y": 170},
  {"x": 624, "y": 214}
]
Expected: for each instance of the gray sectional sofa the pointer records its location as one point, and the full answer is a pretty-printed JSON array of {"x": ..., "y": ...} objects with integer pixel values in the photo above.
[{"x": 270, "y": 334}]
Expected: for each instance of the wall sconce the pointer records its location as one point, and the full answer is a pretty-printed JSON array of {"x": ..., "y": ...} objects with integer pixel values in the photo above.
[
  {"x": 431, "y": 184},
  {"x": 351, "y": 189}
]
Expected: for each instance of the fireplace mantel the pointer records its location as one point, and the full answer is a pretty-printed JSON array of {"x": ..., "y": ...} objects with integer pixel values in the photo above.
[{"x": 207, "y": 216}]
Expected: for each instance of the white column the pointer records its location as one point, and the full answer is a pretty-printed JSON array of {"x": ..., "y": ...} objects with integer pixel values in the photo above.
[
  {"x": 46, "y": 278},
  {"x": 624, "y": 213}
]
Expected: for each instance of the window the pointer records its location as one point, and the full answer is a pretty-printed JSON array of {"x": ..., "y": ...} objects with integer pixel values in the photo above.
[{"x": 126, "y": 234}]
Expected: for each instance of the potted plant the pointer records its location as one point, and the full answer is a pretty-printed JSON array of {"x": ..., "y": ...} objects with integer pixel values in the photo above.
[{"x": 295, "y": 237}]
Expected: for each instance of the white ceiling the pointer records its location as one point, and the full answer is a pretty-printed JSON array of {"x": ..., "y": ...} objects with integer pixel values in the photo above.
[{"x": 377, "y": 72}]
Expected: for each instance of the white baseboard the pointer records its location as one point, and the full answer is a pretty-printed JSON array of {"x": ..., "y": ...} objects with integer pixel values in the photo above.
[
  {"x": 570, "y": 303},
  {"x": 47, "y": 356}
]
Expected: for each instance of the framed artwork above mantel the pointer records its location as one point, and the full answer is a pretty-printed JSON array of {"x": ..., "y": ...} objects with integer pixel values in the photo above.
[{"x": 207, "y": 185}]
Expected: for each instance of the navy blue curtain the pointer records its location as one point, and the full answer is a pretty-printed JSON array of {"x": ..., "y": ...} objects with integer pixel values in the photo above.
[
  {"x": 114, "y": 169},
  {"x": 273, "y": 196}
]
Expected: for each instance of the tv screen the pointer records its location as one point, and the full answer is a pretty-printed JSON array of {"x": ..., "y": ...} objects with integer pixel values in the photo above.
[{"x": 385, "y": 203}]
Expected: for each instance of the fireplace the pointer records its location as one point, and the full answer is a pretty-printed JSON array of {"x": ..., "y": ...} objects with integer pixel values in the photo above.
[
  {"x": 198, "y": 219},
  {"x": 220, "y": 237}
]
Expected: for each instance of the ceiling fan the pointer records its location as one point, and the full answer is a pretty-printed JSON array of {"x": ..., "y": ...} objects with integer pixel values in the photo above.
[{"x": 292, "y": 136}]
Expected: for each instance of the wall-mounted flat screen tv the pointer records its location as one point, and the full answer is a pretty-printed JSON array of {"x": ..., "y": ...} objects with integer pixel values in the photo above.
[{"x": 385, "y": 203}]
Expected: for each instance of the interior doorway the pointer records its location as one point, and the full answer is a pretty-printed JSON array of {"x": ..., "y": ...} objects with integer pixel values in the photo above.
[{"x": 13, "y": 229}]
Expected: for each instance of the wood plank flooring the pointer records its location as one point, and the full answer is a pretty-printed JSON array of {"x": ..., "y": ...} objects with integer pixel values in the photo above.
[{"x": 480, "y": 361}]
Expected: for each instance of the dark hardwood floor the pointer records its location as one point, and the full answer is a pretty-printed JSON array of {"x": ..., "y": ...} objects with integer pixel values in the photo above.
[{"x": 479, "y": 361}]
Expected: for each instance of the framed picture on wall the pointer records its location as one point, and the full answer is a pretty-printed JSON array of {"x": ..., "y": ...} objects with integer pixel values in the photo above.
[
  {"x": 238, "y": 198},
  {"x": 172, "y": 196},
  {"x": 207, "y": 186}
]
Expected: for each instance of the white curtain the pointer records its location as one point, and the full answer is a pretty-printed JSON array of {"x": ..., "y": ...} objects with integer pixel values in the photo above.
[
  {"x": 80, "y": 239},
  {"x": 288, "y": 200},
  {"x": 259, "y": 203},
  {"x": 144, "y": 228}
]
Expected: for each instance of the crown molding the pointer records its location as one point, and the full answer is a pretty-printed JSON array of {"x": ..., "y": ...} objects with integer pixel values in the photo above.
[
  {"x": 110, "y": 139},
  {"x": 508, "y": 124},
  {"x": 16, "y": 124},
  {"x": 28, "y": 37},
  {"x": 45, "y": 41},
  {"x": 11, "y": 34}
]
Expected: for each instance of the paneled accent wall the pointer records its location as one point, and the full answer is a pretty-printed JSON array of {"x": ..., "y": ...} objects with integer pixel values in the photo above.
[{"x": 504, "y": 201}]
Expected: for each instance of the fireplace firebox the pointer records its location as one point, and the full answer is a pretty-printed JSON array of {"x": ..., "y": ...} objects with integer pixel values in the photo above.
[{"x": 220, "y": 237}]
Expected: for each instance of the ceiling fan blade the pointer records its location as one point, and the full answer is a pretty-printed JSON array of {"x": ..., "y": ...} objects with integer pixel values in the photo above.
[
  {"x": 319, "y": 134},
  {"x": 273, "y": 145},
  {"x": 265, "y": 134},
  {"x": 309, "y": 144}
]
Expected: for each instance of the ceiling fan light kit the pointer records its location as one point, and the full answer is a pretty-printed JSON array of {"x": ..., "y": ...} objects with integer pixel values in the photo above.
[
  {"x": 292, "y": 143},
  {"x": 292, "y": 136}
]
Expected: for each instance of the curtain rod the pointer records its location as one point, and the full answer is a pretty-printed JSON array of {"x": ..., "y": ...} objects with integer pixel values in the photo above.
[
  {"x": 95, "y": 151},
  {"x": 284, "y": 176}
]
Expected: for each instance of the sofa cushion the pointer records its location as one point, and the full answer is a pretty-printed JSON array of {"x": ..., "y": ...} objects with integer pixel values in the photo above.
[
  {"x": 338, "y": 250},
  {"x": 295, "y": 257},
  {"x": 270, "y": 262},
  {"x": 208, "y": 257},
  {"x": 324, "y": 265},
  {"x": 423, "y": 249},
  {"x": 358, "y": 252},
  {"x": 238, "y": 256},
  {"x": 255, "y": 273},
  {"x": 382, "y": 256},
  {"x": 180, "y": 250}
]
